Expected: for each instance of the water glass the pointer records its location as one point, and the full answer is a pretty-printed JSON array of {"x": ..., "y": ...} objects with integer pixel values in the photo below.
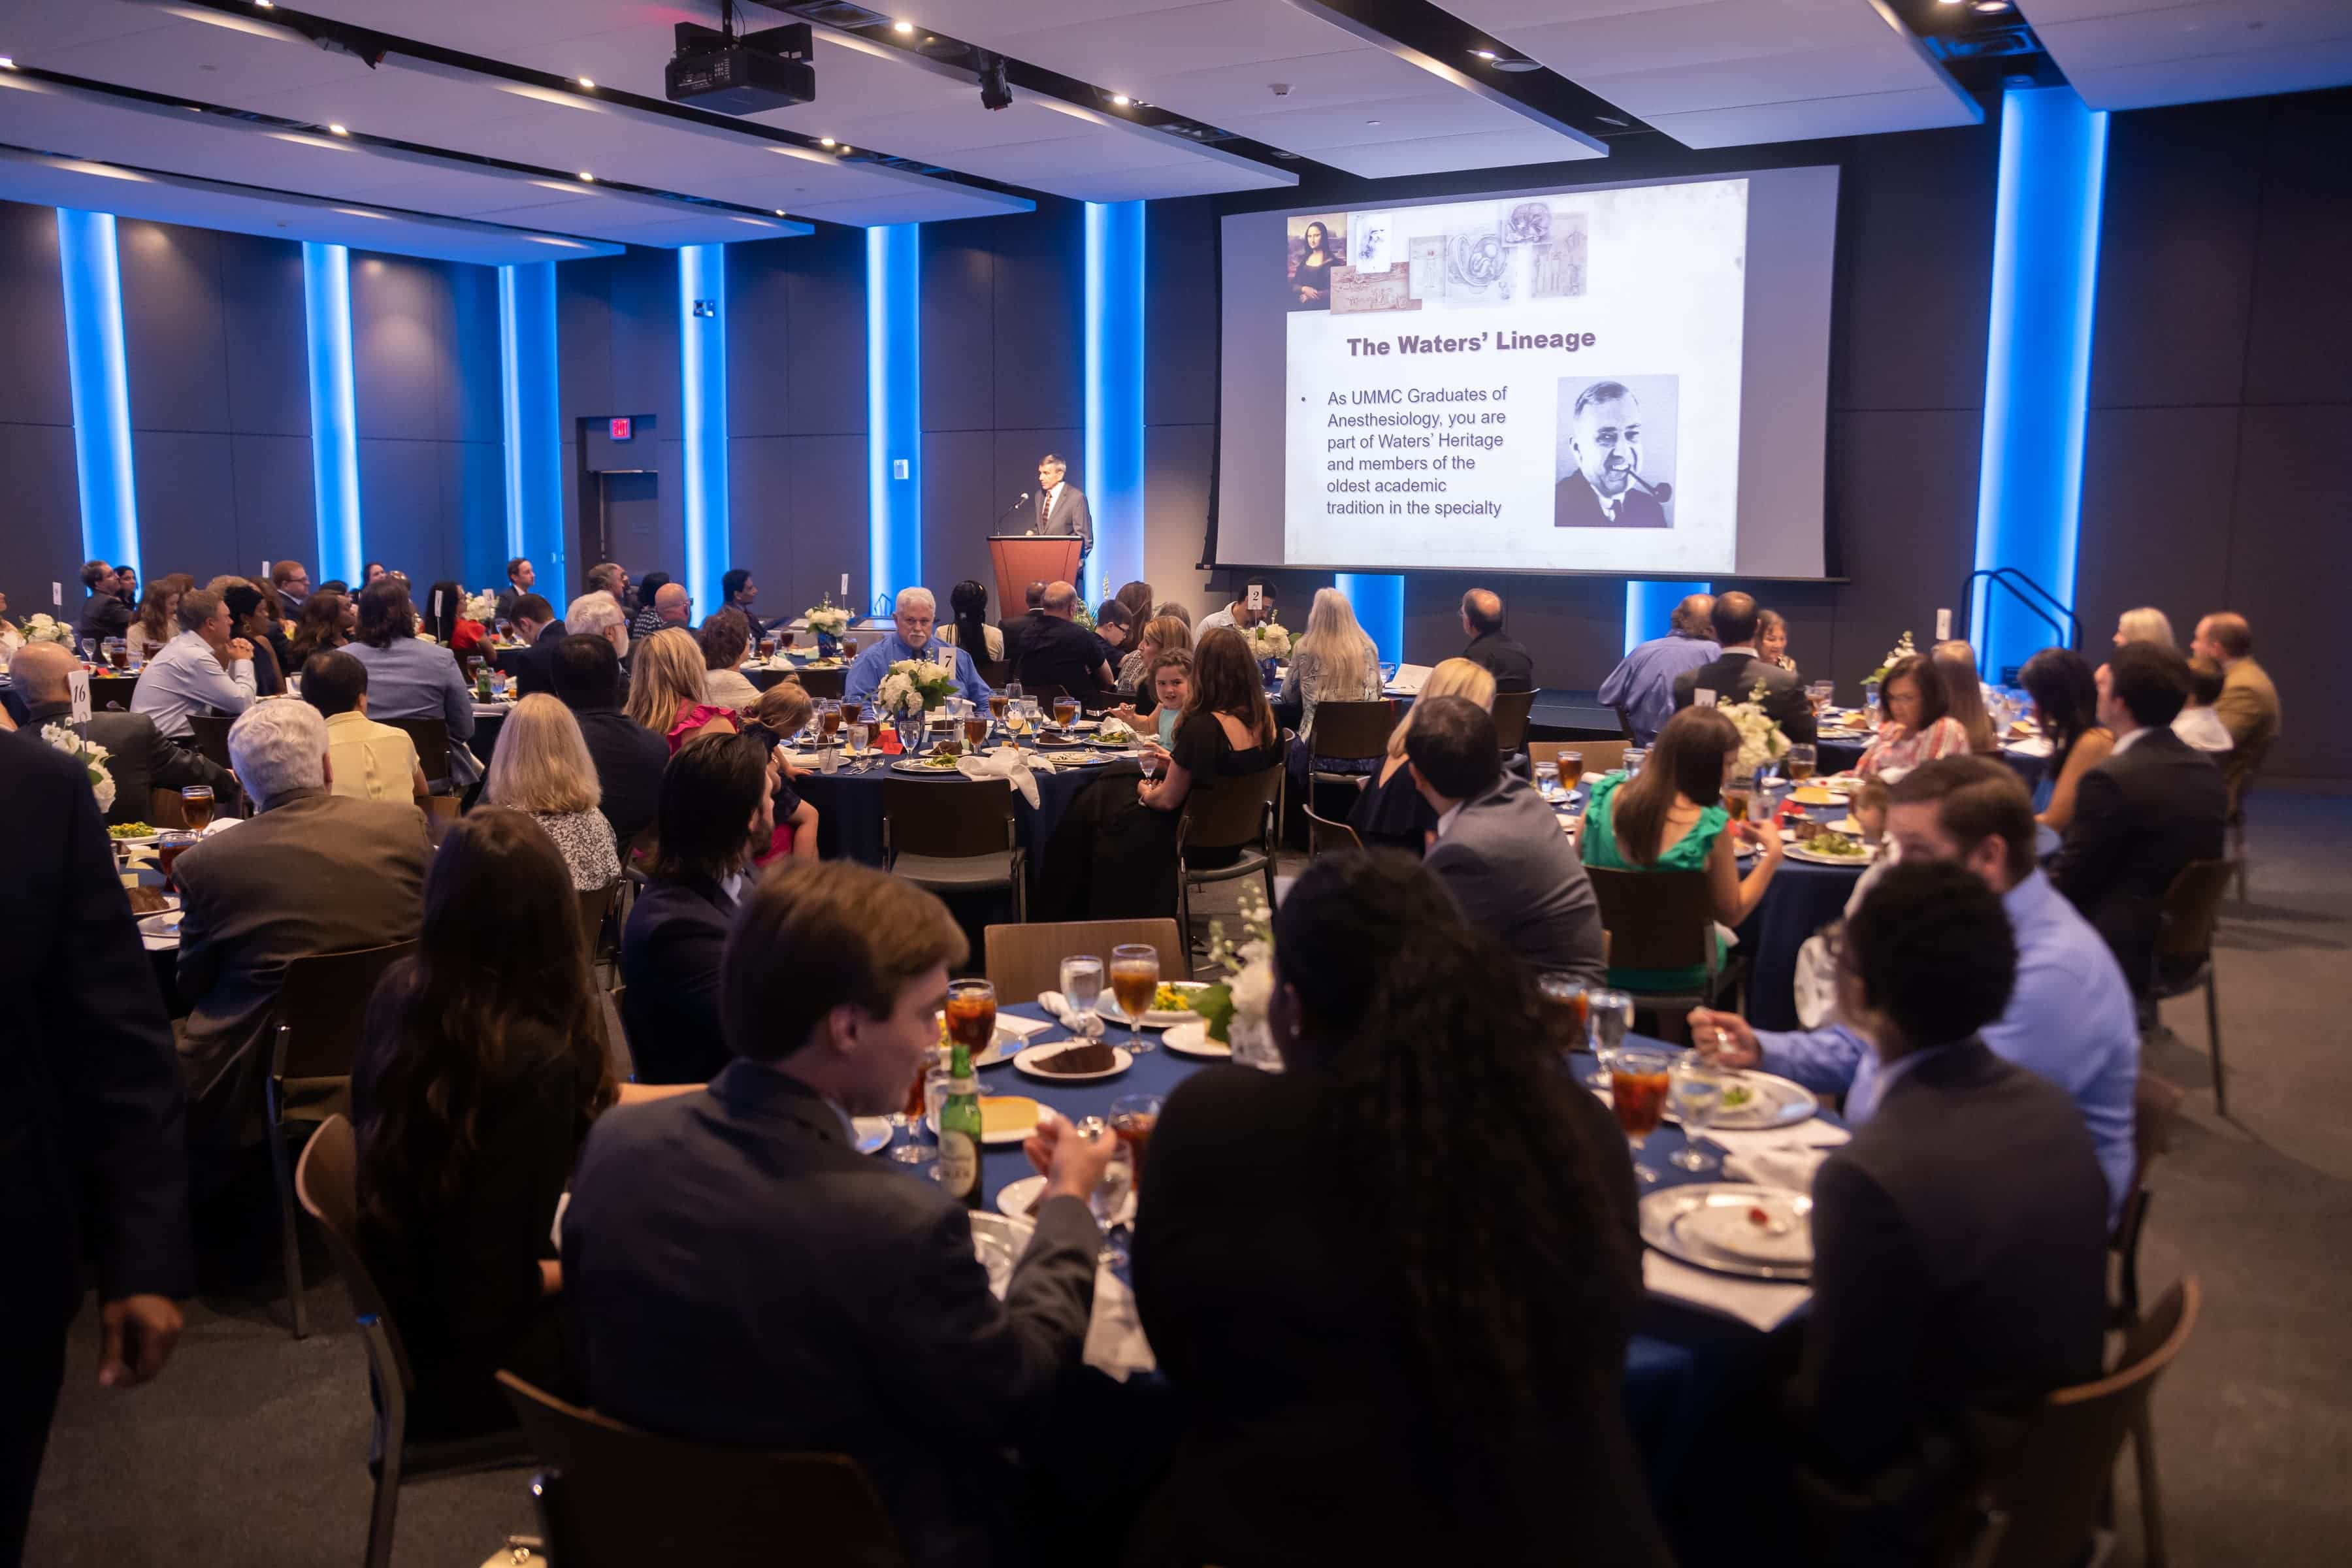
[
  {"x": 1108, "y": 1200},
  {"x": 860, "y": 734},
  {"x": 1696, "y": 1093},
  {"x": 1082, "y": 983},
  {"x": 1799, "y": 762},
  {"x": 1634, "y": 757},
  {"x": 1608, "y": 1019},
  {"x": 1547, "y": 781},
  {"x": 1821, "y": 693}
]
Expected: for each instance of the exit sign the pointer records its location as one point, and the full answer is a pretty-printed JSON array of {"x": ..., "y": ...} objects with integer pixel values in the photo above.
[{"x": 621, "y": 428}]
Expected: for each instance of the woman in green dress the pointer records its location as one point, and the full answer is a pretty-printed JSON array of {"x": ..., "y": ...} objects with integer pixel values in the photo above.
[{"x": 1672, "y": 818}]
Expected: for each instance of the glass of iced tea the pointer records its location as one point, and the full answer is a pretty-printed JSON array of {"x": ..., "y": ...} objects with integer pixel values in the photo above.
[
  {"x": 971, "y": 1015},
  {"x": 828, "y": 720},
  {"x": 1135, "y": 980},
  {"x": 914, "y": 1151},
  {"x": 196, "y": 806},
  {"x": 1132, "y": 1117},
  {"x": 169, "y": 847},
  {"x": 1799, "y": 762},
  {"x": 1065, "y": 709},
  {"x": 1735, "y": 801},
  {"x": 975, "y": 732},
  {"x": 1638, "y": 1086},
  {"x": 1571, "y": 769},
  {"x": 118, "y": 653},
  {"x": 1564, "y": 999}
]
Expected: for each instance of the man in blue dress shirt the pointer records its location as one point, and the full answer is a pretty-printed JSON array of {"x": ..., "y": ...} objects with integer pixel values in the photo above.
[
  {"x": 910, "y": 637},
  {"x": 2070, "y": 1018},
  {"x": 1642, "y": 687}
]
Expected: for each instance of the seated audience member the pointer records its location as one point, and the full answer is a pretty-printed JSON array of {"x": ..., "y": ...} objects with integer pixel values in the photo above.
[
  {"x": 910, "y": 637},
  {"x": 1375, "y": 1275},
  {"x": 629, "y": 757},
  {"x": 667, "y": 690},
  {"x": 715, "y": 814},
  {"x": 739, "y": 1274},
  {"x": 1336, "y": 662},
  {"x": 2199, "y": 724},
  {"x": 784, "y": 711},
  {"x": 103, "y": 612},
  {"x": 2146, "y": 624},
  {"x": 1671, "y": 817},
  {"x": 1138, "y": 598},
  {"x": 442, "y": 617},
  {"x": 1390, "y": 814},
  {"x": 1513, "y": 668},
  {"x": 612, "y": 580},
  {"x": 2152, "y": 807},
  {"x": 311, "y": 873},
  {"x": 650, "y": 617},
  {"x": 1158, "y": 636},
  {"x": 204, "y": 668},
  {"x": 1237, "y": 615},
  {"x": 1016, "y": 627},
  {"x": 2066, "y": 708},
  {"x": 1114, "y": 855},
  {"x": 157, "y": 622},
  {"x": 1959, "y": 1241},
  {"x": 2069, "y": 1014},
  {"x": 542, "y": 767},
  {"x": 1168, "y": 682},
  {"x": 739, "y": 592},
  {"x": 1735, "y": 673},
  {"x": 329, "y": 618},
  {"x": 969, "y": 628},
  {"x": 141, "y": 762},
  {"x": 596, "y": 613},
  {"x": 1499, "y": 850},
  {"x": 1772, "y": 640},
  {"x": 1114, "y": 630},
  {"x": 1918, "y": 726},
  {"x": 409, "y": 677},
  {"x": 292, "y": 581},
  {"x": 1642, "y": 687},
  {"x": 367, "y": 760},
  {"x": 726, "y": 639},
  {"x": 272, "y": 623},
  {"x": 245, "y": 622},
  {"x": 2249, "y": 703},
  {"x": 536, "y": 628},
  {"x": 370, "y": 570},
  {"x": 1955, "y": 666},
  {"x": 520, "y": 575},
  {"x": 1058, "y": 651},
  {"x": 1177, "y": 609}
]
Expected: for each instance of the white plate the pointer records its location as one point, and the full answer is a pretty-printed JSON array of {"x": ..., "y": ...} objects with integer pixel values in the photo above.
[
  {"x": 998, "y": 1241},
  {"x": 1851, "y": 862},
  {"x": 922, "y": 769},
  {"x": 164, "y": 926},
  {"x": 1774, "y": 1102},
  {"x": 1013, "y": 1200},
  {"x": 1708, "y": 1224},
  {"x": 1157, "y": 1017},
  {"x": 1028, "y": 1062},
  {"x": 1192, "y": 1040},
  {"x": 873, "y": 1133},
  {"x": 140, "y": 842},
  {"x": 991, "y": 1140}
]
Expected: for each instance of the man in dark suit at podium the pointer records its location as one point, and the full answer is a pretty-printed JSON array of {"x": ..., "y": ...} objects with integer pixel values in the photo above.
[
  {"x": 1605, "y": 433},
  {"x": 1061, "y": 507}
]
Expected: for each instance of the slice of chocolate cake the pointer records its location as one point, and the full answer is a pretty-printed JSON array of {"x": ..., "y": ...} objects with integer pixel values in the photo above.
[{"x": 1093, "y": 1057}]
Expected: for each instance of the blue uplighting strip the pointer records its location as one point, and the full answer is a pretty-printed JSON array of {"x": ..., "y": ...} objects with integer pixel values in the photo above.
[
  {"x": 894, "y": 410},
  {"x": 702, "y": 386},
  {"x": 334, "y": 410},
  {"x": 2045, "y": 273},
  {"x": 101, "y": 386},
  {"x": 1113, "y": 477},
  {"x": 533, "y": 423},
  {"x": 1649, "y": 607},
  {"x": 1379, "y": 601}
]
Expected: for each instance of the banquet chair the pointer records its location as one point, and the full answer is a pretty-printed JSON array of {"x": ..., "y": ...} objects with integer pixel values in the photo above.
[
  {"x": 328, "y": 1182},
  {"x": 2044, "y": 1497},
  {"x": 431, "y": 738},
  {"x": 2184, "y": 946},
  {"x": 823, "y": 684},
  {"x": 210, "y": 731},
  {"x": 1511, "y": 710},
  {"x": 1600, "y": 756},
  {"x": 614, "y": 1497},
  {"x": 1024, "y": 960},
  {"x": 2242, "y": 784},
  {"x": 1324, "y": 835},
  {"x": 111, "y": 693},
  {"x": 1236, "y": 810},
  {"x": 1349, "y": 731},
  {"x": 322, "y": 1004},
  {"x": 595, "y": 920},
  {"x": 954, "y": 836},
  {"x": 1663, "y": 920}
]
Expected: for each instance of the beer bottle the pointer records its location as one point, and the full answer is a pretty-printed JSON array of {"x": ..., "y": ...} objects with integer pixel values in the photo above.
[{"x": 960, "y": 1128}]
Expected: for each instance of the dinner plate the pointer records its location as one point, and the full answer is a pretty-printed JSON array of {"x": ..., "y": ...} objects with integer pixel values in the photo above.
[
  {"x": 1003, "y": 1136},
  {"x": 1192, "y": 1040},
  {"x": 137, "y": 841},
  {"x": 998, "y": 1241},
  {"x": 1814, "y": 794},
  {"x": 1713, "y": 1225},
  {"x": 873, "y": 1133},
  {"x": 1018, "y": 1200},
  {"x": 164, "y": 925},
  {"x": 1157, "y": 1017},
  {"x": 922, "y": 769},
  {"x": 1812, "y": 857},
  {"x": 1031, "y": 1062},
  {"x": 1773, "y": 1102},
  {"x": 1830, "y": 733}
]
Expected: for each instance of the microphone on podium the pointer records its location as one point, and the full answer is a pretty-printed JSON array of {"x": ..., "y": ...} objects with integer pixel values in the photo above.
[{"x": 1008, "y": 510}]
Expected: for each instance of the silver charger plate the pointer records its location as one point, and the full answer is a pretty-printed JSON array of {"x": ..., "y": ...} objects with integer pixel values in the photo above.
[
  {"x": 923, "y": 770},
  {"x": 1699, "y": 1223},
  {"x": 1775, "y": 1102}
]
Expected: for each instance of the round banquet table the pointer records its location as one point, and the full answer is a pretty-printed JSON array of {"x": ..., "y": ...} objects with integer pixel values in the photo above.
[
  {"x": 849, "y": 805},
  {"x": 1843, "y": 755}
]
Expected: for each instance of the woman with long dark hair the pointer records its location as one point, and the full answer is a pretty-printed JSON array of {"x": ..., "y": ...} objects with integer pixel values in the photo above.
[
  {"x": 2066, "y": 705},
  {"x": 1393, "y": 1284},
  {"x": 328, "y": 619},
  {"x": 480, "y": 1067},
  {"x": 969, "y": 628},
  {"x": 155, "y": 625}
]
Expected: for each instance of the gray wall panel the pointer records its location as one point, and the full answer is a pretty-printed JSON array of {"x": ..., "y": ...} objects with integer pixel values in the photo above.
[
  {"x": 2289, "y": 541},
  {"x": 174, "y": 346},
  {"x": 187, "y": 488},
  {"x": 401, "y": 329},
  {"x": 276, "y": 499},
  {"x": 262, "y": 314}
]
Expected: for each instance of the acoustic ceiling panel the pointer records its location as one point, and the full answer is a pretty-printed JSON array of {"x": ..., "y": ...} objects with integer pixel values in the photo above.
[{"x": 2136, "y": 54}]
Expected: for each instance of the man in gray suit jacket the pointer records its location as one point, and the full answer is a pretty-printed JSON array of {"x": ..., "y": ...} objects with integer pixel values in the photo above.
[
  {"x": 1499, "y": 848},
  {"x": 312, "y": 873},
  {"x": 740, "y": 1273},
  {"x": 142, "y": 761},
  {"x": 1061, "y": 507}
]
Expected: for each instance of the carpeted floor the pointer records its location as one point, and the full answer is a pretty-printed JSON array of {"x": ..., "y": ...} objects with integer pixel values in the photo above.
[{"x": 252, "y": 1447}]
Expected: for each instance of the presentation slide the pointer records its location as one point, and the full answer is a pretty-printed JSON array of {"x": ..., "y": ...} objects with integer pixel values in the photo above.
[{"x": 1547, "y": 381}]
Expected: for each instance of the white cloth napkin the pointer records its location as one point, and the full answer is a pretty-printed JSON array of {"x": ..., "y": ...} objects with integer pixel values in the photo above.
[
  {"x": 1004, "y": 763},
  {"x": 1786, "y": 1157},
  {"x": 1115, "y": 1342},
  {"x": 2035, "y": 746},
  {"x": 1088, "y": 1025},
  {"x": 1758, "y": 1303}
]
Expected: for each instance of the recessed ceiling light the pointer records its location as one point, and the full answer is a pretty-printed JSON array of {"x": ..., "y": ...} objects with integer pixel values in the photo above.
[
  {"x": 585, "y": 175},
  {"x": 779, "y": 212},
  {"x": 586, "y": 81},
  {"x": 6, "y": 64},
  {"x": 265, "y": 5},
  {"x": 825, "y": 141},
  {"x": 1991, "y": 5},
  {"x": 1121, "y": 99},
  {"x": 902, "y": 27},
  {"x": 1483, "y": 54},
  {"x": 845, "y": 146},
  {"x": 340, "y": 130},
  {"x": 1372, "y": 122}
]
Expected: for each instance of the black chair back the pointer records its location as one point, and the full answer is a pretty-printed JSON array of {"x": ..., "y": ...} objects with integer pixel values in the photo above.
[{"x": 431, "y": 739}]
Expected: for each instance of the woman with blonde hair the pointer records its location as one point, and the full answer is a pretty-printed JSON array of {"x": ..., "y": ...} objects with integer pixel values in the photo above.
[
  {"x": 1391, "y": 813},
  {"x": 1956, "y": 666},
  {"x": 2147, "y": 624},
  {"x": 542, "y": 766},
  {"x": 1335, "y": 661},
  {"x": 667, "y": 693},
  {"x": 1159, "y": 635}
]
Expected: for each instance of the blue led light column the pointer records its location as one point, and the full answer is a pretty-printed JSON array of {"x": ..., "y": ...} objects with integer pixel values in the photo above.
[
  {"x": 1378, "y": 599},
  {"x": 1113, "y": 476},
  {"x": 334, "y": 413},
  {"x": 1649, "y": 607},
  {"x": 534, "y": 422},
  {"x": 101, "y": 387},
  {"x": 894, "y": 408},
  {"x": 702, "y": 387},
  {"x": 2046, "y": 268}
]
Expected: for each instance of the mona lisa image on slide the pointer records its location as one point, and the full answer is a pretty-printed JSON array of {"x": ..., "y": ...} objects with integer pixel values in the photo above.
[{"x": 1317, "y": 247}]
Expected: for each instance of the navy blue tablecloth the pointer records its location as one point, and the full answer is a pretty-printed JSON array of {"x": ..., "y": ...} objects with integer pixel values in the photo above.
[
  {"x": 849, "y": 806},
  {"x": 1844, "y": 756}
]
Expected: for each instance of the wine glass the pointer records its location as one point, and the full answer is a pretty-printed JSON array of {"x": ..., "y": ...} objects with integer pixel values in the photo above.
[
  {"x": 1133, "y": 1117},
  {"x": 196, "y": 806},
  {"x": 1800, "y": 762},
  {"x": 1696, "y": 1089},
  {"x": 1821, "y": 693},
  {"x": 1134, "y": 981},
  {"x": 1609, "y": 1018},
  {"x": 1637, "y": 1092},
  {"x": 1108, "y": 1200},
  {"x": 1082, "y": 983}
]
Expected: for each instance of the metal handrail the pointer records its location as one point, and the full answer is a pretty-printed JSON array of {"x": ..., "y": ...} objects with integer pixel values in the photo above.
[{"x": 2025, "y": 590}]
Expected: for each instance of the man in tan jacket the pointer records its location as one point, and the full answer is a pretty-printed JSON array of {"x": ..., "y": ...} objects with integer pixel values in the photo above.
[{"x": 2249, "y": 704}]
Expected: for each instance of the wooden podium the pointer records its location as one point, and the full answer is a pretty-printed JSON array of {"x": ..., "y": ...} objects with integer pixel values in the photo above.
[{"x": 1021, "y": 559}]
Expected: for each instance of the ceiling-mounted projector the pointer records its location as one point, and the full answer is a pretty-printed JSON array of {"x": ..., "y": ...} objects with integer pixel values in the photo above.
[{"x": 747, "y": 75}]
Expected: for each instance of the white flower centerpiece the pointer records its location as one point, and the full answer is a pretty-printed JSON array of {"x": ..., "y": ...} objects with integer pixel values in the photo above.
[
  {"x": 47, "y": 628},
  {"x": 1268, "y": 639},
  {"x": 1761, "y": 741},
  {"x": 828, "y": 621},
  {"x": 1236, "y": 1007},
  {"x": 93, "y": 757},
  {"x": 1902, "y": 649},
  {"x": 482, "y": 607},
  {"x": 913, "y": 688}
]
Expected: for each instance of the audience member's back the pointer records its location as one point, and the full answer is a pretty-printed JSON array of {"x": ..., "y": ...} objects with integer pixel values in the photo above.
[{"x": 629, "y": 757}]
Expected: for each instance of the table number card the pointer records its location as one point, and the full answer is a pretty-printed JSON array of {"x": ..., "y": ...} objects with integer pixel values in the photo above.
[{"x": 1703, "y": 696}]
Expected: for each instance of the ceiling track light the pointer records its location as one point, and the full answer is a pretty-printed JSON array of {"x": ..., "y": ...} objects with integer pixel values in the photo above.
[
  {"x": 339, "y": 130},
  {"x": 586, "y": 178},
  {"x": 902, "y": 27},
  {"x": 825, "y": 140},
  {"x": 586, "y": 82}
]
